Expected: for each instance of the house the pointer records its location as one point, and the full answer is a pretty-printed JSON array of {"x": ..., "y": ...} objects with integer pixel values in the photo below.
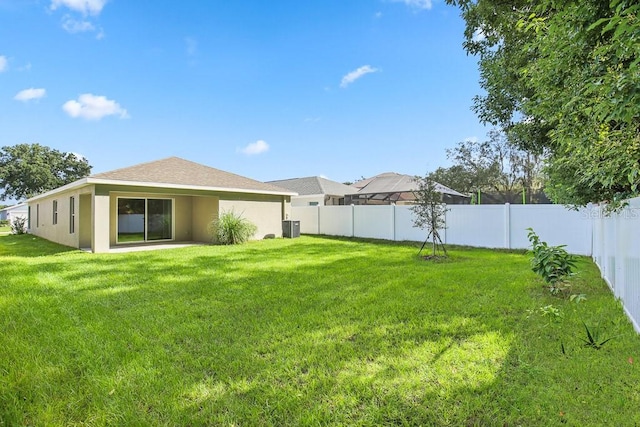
[
  {"x": 315, "y": 190},
  {"x": 12, "y": 212},
  {"x": 394, "y": 188},
  {"x": 168, "y": 200}
]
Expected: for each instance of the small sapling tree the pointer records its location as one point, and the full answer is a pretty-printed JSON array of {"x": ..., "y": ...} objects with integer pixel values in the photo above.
[{"x": 429, "y": 212}]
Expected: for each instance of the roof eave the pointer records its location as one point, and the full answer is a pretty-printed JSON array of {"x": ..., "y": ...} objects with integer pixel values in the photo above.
[
  {"x": 71, "y": 186},
  {"x": 98, "y": 181},
  {"x": 188, "y": 187}
]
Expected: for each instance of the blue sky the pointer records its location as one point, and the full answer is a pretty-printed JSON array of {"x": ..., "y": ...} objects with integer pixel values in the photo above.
[{"x": 268, "y": 89}]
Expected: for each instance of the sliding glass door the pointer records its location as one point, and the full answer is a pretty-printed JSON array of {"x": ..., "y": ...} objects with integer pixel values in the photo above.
[
  {"x": 144, "y": 219},
  {"x": 159, "y": 222}
]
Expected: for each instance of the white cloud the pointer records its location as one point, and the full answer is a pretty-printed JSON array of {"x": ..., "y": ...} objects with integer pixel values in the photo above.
[
  {"x": 93, "y": 107},
  {"x": 4, "y": 63},
  {"x": 256, "y": 148},
  {"x": 86, "y": 7},
  {"x": 30, "y": 94},
  {"x": 416, "y": 4},
  {"x": 356, "y": 74},
  {"x": 72, "y": 26}
]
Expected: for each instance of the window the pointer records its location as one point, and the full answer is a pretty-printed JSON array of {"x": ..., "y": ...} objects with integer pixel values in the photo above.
[
  {"x": 55, "y": 212},
  {"x": 72, "y": 215},
  {"x": 313, "y": 203},
  {"x": 144, "y": 220},
  {"x": 29, "y": 217}
]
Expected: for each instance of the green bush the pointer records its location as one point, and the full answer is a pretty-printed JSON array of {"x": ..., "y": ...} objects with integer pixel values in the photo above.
[
  {"x": 4, "y": 223},
  {"x": 553, "y": 263},
  {"x": 19, "y": 225},
  {"x": 231, "y": 228}
]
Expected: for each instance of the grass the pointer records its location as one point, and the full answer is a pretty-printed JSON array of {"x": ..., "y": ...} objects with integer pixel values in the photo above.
[
  {"x": 130, "y": 237},
  {"x": 5, "y": 229},
  {"x": 308, "y": 331}
]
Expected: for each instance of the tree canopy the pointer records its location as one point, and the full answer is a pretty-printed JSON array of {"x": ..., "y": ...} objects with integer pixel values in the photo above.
[
  {"x": 496, "y": 165},
  {"x": 563, "y": 78},
  {"x": 30, "y": 169}
]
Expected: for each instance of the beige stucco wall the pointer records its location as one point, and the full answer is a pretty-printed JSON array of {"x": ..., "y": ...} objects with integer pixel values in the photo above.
[
  {"x": 308, "y": 200},
  {"x": 100, "y": 213},
  {"x": 84, "y": 224},
  {"x": 204, "y": 211},
  {"x": 266, "y": 212},
  {"x": 42, "y": 218}
]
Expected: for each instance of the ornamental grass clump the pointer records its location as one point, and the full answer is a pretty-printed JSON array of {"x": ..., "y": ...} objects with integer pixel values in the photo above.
[{"x": 231, "y": 229}]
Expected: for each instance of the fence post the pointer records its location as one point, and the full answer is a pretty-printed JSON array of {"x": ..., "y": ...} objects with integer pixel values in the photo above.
[
  {"x": 393, "y": 219},
  {"x": 353, "y": 220},
  {"x": 507, "y": 226}
]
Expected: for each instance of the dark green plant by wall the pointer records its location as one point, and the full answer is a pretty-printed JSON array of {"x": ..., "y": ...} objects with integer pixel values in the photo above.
[{"x": 553, "y": 263}]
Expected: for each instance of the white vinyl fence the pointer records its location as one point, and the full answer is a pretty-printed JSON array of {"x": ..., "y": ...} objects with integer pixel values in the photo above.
[
  {"x": 616, "y": 251},
  {"x": 492, "y": 226},
  {"x": 613, "y": 241}
]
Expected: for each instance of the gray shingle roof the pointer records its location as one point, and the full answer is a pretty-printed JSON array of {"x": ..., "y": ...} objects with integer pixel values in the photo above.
[
  {"x": 314, "y": 185},
  {"x": 391, "y": 182},
  {"x": 177, "y": 171}
]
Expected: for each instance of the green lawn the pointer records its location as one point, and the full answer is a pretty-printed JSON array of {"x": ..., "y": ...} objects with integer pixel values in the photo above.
[
  {"x": 5, "y": 229},
  {"x": 308, "y": 331}
]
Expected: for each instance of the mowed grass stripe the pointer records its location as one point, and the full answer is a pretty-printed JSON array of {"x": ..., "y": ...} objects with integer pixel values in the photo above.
[{"x": 308, "y": 331}]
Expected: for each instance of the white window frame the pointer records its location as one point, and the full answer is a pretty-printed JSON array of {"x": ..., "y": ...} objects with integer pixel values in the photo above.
[
  {"x": 72, "y": 214},
  {"x": 54, "y": 220}
]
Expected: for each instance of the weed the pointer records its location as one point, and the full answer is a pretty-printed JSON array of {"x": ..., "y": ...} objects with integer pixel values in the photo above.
[
  {"x": 577, "y": 298},
  {"x": 593, "y": 339}
]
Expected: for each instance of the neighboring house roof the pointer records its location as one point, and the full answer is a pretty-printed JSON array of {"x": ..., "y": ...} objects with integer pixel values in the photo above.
[
  {"x": 174, "y": 172},
  {"x": 391, "y": 182},
  {"x": 314, "y": 185},
  {"x": 18, "y": 207}
]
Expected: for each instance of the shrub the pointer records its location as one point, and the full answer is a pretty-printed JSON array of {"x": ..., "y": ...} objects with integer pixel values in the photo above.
[
  {"x": 4, "y": 222},
  {"x": 19, "y": 225},
  {"x": 553, "y": 263},
  {"x": 231, "y": 228}
]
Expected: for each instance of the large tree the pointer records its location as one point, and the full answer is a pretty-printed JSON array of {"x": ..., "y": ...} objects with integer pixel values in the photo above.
[
  {"x": 496, "y": 165},
  {"x": 563, "y": 78},
  {"x": 29, "y": 169}
]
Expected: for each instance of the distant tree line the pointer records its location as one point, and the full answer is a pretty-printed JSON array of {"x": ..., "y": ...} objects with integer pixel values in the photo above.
[{"x": 493, "y": 171}]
